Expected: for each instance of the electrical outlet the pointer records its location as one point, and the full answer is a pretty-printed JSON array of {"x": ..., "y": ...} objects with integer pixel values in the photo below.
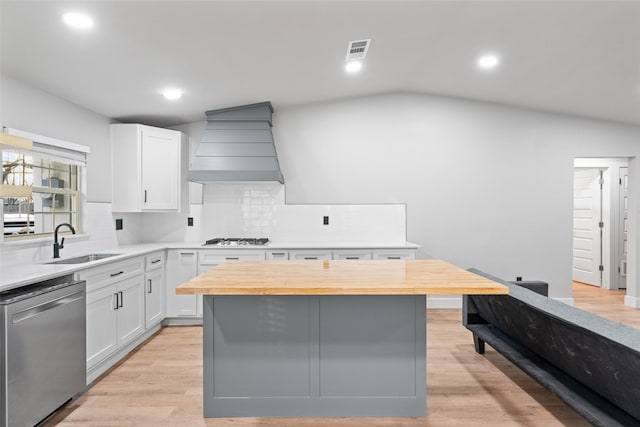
[
  {"x": 325, "y": 220},
  {"x": 190, "y": 222},
  {"x": 119, "y": 225}
]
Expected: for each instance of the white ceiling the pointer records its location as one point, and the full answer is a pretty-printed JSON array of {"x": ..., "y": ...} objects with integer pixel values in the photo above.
[{"x": 576, "y": 57}]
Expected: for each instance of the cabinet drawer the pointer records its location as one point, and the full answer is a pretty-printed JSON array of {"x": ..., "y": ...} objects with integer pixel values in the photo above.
[
  {"x": 277, "y": 255},
  {"x": 310, "y": 255},
  {"x": 216, "y": 257},
  {"x": 351, "y": 254},
  {"x": 391, "y": 254},
  {"x": 154, "y": 261},
  {"x": 103, "y": 275}
]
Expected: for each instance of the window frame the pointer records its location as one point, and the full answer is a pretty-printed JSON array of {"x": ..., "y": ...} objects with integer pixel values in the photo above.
[{"x": 52, "y": 149}]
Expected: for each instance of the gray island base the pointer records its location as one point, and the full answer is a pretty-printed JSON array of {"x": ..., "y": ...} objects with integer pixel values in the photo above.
[{"x": 314, "y": 356}]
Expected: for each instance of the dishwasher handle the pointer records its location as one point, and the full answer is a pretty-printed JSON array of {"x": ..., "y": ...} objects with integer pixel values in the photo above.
[{"x": 49, "y": 305}]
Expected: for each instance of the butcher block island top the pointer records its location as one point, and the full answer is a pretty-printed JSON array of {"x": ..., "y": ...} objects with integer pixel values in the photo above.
[{"x": 339, "y": 277}]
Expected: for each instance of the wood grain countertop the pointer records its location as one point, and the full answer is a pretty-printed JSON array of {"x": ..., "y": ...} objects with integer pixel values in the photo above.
[{"x": 339, "y": 277}]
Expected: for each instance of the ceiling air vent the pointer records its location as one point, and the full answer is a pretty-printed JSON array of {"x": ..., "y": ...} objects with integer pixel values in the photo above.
[{"x": 357, "y": 49}]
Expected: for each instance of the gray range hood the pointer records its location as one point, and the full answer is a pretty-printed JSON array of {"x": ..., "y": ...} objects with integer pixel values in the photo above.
[{"x": 237, "y": 145}]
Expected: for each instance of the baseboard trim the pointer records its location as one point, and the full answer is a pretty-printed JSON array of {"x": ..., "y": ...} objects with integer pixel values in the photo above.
[
  {"x": 632, "y": 301},
  {"x": 182, "y": 321}
]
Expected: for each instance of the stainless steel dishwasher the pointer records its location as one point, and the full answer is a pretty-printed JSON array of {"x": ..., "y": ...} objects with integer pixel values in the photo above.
[{"x": 43, "y": 336}]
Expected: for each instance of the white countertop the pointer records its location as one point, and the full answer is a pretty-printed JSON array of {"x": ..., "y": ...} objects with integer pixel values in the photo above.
[
  {"x": 296, "y": 246},
  {"x": 15, "y": 275}
]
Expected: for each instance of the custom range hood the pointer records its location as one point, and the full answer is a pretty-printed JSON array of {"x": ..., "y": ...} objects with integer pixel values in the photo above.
[{"x": 237, "y": 145}]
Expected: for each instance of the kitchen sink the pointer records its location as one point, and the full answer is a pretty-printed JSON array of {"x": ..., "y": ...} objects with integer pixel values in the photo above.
[{"x": 84, "y": 258}]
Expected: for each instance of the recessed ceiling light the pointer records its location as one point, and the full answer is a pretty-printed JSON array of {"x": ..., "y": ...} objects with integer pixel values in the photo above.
[
  {"x": 488, "y": 61},
  {"x": 353, "y": 66},
  {"x": 172, "y": 94},
  {"x": 78, "y": 20}
]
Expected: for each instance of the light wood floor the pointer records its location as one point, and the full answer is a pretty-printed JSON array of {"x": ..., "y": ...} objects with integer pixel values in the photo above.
[{"x": 161, "y": 383}]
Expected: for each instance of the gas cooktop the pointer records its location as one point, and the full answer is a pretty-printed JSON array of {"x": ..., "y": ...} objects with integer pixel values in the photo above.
[{"x": 237, "y": 241}]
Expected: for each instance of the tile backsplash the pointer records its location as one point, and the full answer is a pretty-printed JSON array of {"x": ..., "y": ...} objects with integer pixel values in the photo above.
[{"x": 259, "y": 210}]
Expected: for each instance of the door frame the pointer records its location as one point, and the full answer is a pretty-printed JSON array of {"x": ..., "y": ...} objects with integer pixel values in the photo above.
[{"x": 610, "y": 214}]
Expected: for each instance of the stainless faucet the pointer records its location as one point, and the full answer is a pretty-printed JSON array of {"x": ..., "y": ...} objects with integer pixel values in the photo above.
[{"x": 56, "y": 246}]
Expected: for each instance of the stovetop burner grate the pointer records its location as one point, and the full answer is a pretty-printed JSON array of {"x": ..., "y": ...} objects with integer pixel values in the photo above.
[{"x": 237, "y": 241}]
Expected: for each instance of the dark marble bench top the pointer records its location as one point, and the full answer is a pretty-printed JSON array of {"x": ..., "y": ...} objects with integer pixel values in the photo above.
[
  {"x": 599, "y": 353},
  {"x": 614, "y": 331}
]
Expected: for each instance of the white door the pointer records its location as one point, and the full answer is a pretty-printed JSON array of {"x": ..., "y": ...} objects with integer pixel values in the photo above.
[
  {"x": 624, "y": 221},
  {"x": 587, "y": 233}
]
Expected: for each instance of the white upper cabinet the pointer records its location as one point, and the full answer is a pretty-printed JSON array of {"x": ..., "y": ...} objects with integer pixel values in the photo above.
[{"x": 149, "y": 168}]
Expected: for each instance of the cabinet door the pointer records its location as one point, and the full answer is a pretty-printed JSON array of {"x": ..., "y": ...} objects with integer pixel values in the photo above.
[
  {"x": 102, "y": 338},
  {"x": 154, "y": 298},
  {"x": 130, "y": 311},
  {"x": 181, "y": 267},
  {"x": 160, "y": 169}
]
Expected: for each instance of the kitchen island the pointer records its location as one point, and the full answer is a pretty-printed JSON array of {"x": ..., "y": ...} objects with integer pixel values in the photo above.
[{"x": 321, "y": 338}]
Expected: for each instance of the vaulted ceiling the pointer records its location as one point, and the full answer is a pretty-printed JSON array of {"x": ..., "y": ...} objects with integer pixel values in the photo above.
[{"x": 574, "y": 57}]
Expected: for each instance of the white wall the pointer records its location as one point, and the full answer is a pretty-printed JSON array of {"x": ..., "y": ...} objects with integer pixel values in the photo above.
[
  {"x": 485, "y": 186},
  {"x": 26, "y": 108}
]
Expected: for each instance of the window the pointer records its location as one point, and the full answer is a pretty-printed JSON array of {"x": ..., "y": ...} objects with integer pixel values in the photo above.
[{"x": 54, "y": 175}]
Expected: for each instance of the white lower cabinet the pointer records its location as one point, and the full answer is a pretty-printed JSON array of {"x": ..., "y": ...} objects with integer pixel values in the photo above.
[
  {"x": 118, "y": 310},
  {"x": 154, "y": 289},
  {"x": 130, "y": 311},
  {"x": 115, "y": 317},
  {"x": 182, "y": 266},
  {"x": 102, "y": 336},
  {"x": 153, "y": 298}
]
